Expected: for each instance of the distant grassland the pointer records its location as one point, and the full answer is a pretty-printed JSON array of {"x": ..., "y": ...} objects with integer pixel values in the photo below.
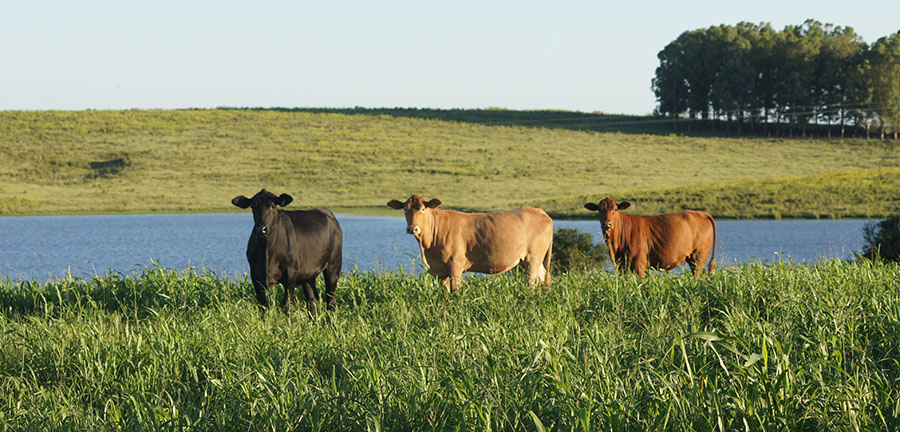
[{"x": 64, "y": 162}]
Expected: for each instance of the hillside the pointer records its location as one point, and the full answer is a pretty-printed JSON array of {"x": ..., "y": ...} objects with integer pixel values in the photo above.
[{"x": 65, "y": 162}]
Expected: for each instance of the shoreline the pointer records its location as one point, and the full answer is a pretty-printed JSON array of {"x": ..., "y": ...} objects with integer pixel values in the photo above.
[{"x": 390, "y": 213}]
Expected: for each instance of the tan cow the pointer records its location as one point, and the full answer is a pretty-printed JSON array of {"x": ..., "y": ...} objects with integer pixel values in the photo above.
[
  {"x": 663, "y": 241},
  {"x": 454, "y": 242}
]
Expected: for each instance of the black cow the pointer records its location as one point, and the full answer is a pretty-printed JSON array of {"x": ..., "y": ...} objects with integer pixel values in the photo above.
[{"x": 292, "y": 247}]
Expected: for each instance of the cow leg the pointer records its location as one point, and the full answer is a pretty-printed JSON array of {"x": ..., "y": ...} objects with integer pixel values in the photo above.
[
  {"x": 639, "y": 265},
  {"x": 697, "y": 260},
  {"x": 331, "y": 280},
  {"x": 261, "y": 297},
  {"x": 455, "y": 282},
  {"x": 456, "y": 271},
  {"x": 534, "y": 270},
  {"x": 693, "y": 265},
  {"x": 312, "y": 296},
  {"x": 622, "y": 264},
  {"x": 259, "y": 285},
  {"x": 542, "y": 275},
  {"x": 288, "y": 295},
  {"x": 445, "y": 281}
]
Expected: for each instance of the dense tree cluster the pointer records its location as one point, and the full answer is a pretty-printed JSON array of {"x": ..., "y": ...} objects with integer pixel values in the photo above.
[{"x": 805, "y": 74}]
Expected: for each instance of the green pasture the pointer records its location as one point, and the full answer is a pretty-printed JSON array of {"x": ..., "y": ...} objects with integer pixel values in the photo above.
[
  {"x": 752, "y": 347},
  {"x": 138, "y": 161},
  {"x": 855, "y": 194}
]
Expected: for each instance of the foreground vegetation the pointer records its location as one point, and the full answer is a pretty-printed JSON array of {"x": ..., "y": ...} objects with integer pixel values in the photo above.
[
  {"x": 356, "y": 160},
  {"x": 756, "y": 347},
  {"x": 882, "y": 239}
]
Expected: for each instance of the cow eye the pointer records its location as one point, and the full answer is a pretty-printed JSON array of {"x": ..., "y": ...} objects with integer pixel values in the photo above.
[{"x": 422, "y": 209}]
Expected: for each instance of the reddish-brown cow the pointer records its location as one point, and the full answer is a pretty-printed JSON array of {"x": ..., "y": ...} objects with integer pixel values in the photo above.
[
  {"x": 453, "y": 242},
  {"x": 662, "y": 241}
]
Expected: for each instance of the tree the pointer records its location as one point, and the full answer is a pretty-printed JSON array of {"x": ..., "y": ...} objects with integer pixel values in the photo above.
[
  {"x": 762, "y": 56},
  {"x": 860, "y": 110},
  {"x": 731, "y": 90},
  {"x": 684, "y": 78},
  {"x": 699, "y": 73},
  {"x": 835, "y": 66},
  {"x": 669, "y": 84},
  {"x": 796, "y": 52},
  {"x": 812, "y": 71},
  {"x": 884, "y": 73}
]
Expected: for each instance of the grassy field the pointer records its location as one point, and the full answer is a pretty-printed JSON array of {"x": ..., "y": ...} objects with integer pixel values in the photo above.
[
  {"x": 758, "y": 347},
  {"x": 64, "y": 162},
  {"x": 856, "y": 194}
]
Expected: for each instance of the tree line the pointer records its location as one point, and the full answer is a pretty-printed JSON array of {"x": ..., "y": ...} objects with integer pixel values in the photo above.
[{"x": 782, "y": 82}]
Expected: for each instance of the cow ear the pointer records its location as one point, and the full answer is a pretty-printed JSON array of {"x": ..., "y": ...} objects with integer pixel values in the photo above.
[
  {"x": 284, "y": 200},
  {"x": 433, "y": 203},
  {"x": 394, "y": 204},
  {"x": 591, "y": 206},
  {"x": 624, "y": 205},
  {"x": 241, "y": 201}
]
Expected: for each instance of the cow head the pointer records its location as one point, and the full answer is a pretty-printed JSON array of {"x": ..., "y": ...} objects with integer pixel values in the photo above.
[
  {"x": 264, "y": 211},
  {"x": 418, "y": 213},
  {"x": 608, "y": 212}
]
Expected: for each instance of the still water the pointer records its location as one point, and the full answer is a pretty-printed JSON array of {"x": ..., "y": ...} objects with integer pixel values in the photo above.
[{"x": 52, "y": 246}]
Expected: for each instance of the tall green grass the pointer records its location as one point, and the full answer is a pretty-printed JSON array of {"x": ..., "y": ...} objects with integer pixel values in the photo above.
[{"x": 758, "y": 346}]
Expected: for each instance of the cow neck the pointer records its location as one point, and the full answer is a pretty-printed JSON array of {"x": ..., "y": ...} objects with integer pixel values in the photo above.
[
  {"x": 617, "y": 239},
  {"x": 277, "y": 234},
  {"x": 429, "y": 239}
]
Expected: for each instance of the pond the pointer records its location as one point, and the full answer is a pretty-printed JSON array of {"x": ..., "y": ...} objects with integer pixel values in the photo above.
[{"x": 41, "y": 247}]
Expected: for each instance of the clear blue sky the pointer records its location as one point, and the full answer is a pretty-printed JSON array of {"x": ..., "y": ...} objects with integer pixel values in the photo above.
[{"x": 571, "y": 55}]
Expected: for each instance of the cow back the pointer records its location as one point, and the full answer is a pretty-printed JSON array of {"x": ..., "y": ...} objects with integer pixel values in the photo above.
[{"x": 491, "y": 242}]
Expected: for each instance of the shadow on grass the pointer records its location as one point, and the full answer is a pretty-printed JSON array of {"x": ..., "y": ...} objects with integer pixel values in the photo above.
[
  {"x": 594, "y": 122},
  {"x": 550, "y": 119}
]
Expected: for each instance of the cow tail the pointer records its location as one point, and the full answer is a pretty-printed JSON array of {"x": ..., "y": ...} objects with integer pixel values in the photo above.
[
  {"x": 712, "y": 259},
  {"x": 547, "y": 262}
]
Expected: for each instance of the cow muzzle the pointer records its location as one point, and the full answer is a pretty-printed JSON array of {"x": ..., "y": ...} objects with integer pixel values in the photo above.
[
  {"x": 414, "y": 230},
  {"x": 261, "y": 230}
]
